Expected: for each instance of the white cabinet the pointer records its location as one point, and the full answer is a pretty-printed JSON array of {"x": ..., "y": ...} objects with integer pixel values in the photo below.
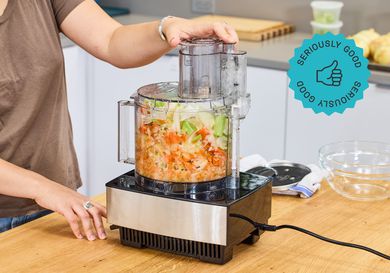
[
  {"x": 75, "y": 64},
  {"x": 263, "y": 130},
  {"x": 108, "y": 85},
  {"x": 307, "y": 131}
]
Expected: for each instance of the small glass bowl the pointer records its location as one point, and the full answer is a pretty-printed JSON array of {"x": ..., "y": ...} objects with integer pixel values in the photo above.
[{"x": 359, "y": 170}]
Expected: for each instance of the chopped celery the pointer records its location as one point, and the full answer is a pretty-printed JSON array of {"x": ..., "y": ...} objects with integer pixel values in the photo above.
[
  {"x": 219, "y": 125},
  {"x": 148, "y": 102},
  {"x": 226, "y": 129},
  {"x": 196, "y": 122},
  {"x": 154, "y": 103},
  {"x": 160, "y": 104},
  {"x": 196, "y": 138},
  {"x": 188, "y": 127}
]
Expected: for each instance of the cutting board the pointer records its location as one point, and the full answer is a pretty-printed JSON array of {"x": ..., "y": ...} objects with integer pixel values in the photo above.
[{"x": 251, "y": 29}]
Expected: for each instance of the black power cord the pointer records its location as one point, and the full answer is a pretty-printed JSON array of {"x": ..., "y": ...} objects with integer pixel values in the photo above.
[{"x": 266, "y": 227}]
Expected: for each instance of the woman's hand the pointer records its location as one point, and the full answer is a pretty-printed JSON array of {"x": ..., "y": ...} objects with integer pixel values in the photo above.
[
  {"x": 178, "y": 29},
  {"x": 71, "y": 205},
  {"x": 19, "y": 182}
]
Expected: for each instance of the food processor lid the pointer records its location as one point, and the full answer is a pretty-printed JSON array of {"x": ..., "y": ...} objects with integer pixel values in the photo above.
[
  {"x": 286, "y": 174},
  {"x": 168, "y": 92},
  {"x": 164, "y": 91},
  {"x": 201, "y": 46}
]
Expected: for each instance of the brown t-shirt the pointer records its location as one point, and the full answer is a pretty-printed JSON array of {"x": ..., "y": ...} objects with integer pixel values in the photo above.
[{"x": 35, "y": 127}]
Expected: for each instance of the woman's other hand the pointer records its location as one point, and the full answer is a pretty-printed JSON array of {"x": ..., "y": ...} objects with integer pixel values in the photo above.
[{"x": 70, "y": 204}]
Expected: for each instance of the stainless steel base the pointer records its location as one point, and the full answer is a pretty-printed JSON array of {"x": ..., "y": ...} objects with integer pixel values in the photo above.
[
  {"x": 169, "y": 217},
  {"x": 197, "y": 228}
]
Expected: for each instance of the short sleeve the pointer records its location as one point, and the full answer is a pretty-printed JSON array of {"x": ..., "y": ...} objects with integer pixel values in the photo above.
[{"x": 62, "y": 8}]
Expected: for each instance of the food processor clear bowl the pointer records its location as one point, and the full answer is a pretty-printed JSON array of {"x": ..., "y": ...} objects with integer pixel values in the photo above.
[
  {"x": 358, "y": 170},
  {"x": 181, "y": 140},
  {"x": 187, "y": 132}
]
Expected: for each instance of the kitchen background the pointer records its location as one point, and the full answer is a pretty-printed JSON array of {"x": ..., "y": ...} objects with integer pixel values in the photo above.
[
  {"x": 356, "y": 14},
  {"x": 277, "y": 126}
]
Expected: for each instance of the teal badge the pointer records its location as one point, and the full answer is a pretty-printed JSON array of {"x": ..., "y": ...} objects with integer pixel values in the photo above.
[{"x": 328, "y": 73}]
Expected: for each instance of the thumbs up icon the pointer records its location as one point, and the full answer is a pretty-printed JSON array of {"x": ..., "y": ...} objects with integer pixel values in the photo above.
[{"x": 330, "y": 75}]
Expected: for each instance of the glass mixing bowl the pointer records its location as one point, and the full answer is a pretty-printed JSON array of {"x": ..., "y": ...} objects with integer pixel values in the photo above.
[{"x": 358, "y": 170}]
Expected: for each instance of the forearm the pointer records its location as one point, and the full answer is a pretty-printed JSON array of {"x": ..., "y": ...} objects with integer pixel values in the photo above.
[
  {"x": 136, "y": 45},
  {"x": 19, "y": 182}
]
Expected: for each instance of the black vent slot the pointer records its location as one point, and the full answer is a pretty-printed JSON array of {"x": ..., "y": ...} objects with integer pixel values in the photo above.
[{"x": 203, "y": 251}]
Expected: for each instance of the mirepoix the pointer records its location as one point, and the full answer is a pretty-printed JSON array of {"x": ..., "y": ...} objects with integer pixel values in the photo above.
[{"x": 182, "y": 142}]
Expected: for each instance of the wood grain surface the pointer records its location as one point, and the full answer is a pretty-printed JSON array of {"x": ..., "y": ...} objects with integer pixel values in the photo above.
[
  {"x": 251, "y": 29},
  {"x": 47, "y": 244}
]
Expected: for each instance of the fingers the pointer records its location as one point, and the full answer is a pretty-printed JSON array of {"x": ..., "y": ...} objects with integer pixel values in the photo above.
[
  {"x": 85, "y": 220},
  {"x": 336, "y": 72},
  {"x": 102, "y": 209},
  {"x": 336, "y": 81},
  {"x": 175, "y": 37},
  {"x": 96, "y": 214},
  {"x": 174, "y": 30},
  {"x": 178, "y": 29},
  {"x": 334, "y": 64},
  {"x": 225, "y": 32},
  {"x": 73, "y": 221},
  {"x": 71, "y": 204},
  {"x": 91, "y": 220},
  {"x": 336, "y": 77},
  {"x": 232, "y": 33},
  {"x": 174, "y": 41}
]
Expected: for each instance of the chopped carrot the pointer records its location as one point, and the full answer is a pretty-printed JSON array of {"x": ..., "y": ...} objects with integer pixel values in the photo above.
[
  {"x": 159, "y": 121},
  {"x": 203, "y": 132},
  {"x": 144, "y": 110},
  {"x": 219, "y": 157},
  {"x": 220, "y": 152},
  {"x": 172, "y": 138},
  {"x": 143, "y": 129}
]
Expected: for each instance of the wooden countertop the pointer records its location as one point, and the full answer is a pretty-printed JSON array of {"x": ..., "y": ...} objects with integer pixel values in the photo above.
[{"x": 47, "y": 244}]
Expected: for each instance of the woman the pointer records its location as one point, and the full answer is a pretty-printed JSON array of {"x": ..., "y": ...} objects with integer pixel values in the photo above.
[{"x": 38, "y": 165}]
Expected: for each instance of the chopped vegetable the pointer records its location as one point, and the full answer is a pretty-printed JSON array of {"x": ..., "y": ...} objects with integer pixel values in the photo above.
[
  {"x": 196, "y": 138},
  {"x": 219, "y": 126},
  {"x": 160, "y": 104},
  {"x": 187, "y": 127},
  {"x": 206, "y": 118},
  {"x": 186, "y": 144}
]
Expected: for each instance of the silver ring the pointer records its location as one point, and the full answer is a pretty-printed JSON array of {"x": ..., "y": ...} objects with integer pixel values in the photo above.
[{"x": 87, "y": 205}]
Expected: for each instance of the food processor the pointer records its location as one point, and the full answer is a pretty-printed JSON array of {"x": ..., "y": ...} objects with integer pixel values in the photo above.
[{"x": 187, "y": 179}]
